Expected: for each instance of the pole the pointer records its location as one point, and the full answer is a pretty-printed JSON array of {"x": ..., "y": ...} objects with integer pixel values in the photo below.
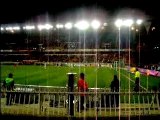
[
  {"x": 129, "y": 72},
  {"x": 139, "y": 46},
  {"x": 70, "y": 93},
  {"x": 119, "y": 34},
  {"x": 96, "y": 45},
  {"x": 69, "y": 49},
  {"x": 84, "y": 47}
]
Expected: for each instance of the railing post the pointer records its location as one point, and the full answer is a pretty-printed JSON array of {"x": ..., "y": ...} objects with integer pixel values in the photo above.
[
  {"x": 70, "y": 94},
  {"x": 40, "y": 102}
]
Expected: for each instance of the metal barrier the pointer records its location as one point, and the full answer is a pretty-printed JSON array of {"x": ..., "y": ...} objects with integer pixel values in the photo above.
[{"x": 97, "y": 103}]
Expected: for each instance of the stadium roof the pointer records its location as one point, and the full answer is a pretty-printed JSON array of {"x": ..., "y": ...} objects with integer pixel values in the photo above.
[{"x": 20, "y": 11}]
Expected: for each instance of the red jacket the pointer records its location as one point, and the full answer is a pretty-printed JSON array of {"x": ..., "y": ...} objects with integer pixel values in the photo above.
[{"x": 82, "y": 86}]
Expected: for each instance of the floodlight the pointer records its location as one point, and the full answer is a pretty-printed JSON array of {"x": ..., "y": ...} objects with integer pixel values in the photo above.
[
  {"x": 132, "y": 28},
  {"x": 16, "y": 28},
  {"x": 95, "y": 24},
  {"x": 128, "y": 22},
  {"x": 68, "y": 25},
  {"x": 59, "y": 26},
  {"x": 2, "y": 28},
  {"x": 9, "y": 28},
  {"x": 48, "y": 26},
  {"x": 40, "y": 27},
  {"x": 139, "y": 21},
  {"x": 29, "y": 27},
  {"x": 118, "y": 23},
  {"x": 82, "y": 25}
]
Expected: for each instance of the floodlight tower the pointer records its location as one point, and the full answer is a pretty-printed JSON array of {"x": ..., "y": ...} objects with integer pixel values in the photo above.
[
  {"x": 95, "y": 24},
  {"x": 83, "y": 25},
  {"x": 59, "y": 26},
  {"x": 118, "y": 24},
  {"x": 68, "y": 26},
  {"x": 128, "y": 23},
  {"x": 139, "y": 22}
]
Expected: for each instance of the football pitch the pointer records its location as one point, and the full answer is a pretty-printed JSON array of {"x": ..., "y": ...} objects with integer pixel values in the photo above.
[{"x": 57, "y": 76}]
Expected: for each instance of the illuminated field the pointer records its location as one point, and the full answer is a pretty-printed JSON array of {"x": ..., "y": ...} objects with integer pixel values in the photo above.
[{"x": 57, "y": 76}]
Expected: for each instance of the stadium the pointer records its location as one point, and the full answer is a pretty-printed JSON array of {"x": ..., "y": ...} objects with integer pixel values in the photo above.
[{"x": 42, "y": 57}]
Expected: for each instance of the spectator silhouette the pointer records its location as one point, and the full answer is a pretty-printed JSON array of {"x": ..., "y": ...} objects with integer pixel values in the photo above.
[{"x": 115, "y": 88}]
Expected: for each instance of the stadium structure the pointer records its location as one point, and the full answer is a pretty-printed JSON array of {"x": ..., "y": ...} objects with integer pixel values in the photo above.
[{"x": 35, "y": 54}]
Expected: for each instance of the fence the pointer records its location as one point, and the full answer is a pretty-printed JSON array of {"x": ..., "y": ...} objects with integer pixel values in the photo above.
[{"x": 50, "y": 101}]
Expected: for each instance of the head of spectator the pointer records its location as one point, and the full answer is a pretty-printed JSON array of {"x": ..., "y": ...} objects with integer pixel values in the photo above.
[
  {"x": 10, "y": 75},
  {"x": 82, "y": 76}
]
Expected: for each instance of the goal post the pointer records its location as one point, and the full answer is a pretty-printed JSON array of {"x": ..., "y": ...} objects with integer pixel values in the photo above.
[{"x": 117, "y": 64}]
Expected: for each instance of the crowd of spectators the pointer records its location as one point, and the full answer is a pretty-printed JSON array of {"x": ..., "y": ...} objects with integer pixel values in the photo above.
[{"x": 89, "y": 57}]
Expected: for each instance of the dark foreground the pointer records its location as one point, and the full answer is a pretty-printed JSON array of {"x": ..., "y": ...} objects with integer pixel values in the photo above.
[{"x": 14, "y": 117}]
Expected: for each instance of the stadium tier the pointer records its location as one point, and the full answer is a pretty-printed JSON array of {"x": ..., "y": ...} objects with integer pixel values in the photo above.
[{"x": 76, "y": 55}]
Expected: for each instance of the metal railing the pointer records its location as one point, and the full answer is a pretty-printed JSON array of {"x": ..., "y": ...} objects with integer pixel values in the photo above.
[{"x": 98, "y": 102}]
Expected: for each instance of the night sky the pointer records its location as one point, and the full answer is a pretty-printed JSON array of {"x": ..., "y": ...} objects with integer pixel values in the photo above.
[
  {"x": 20, "y": 11},
  {"x": 62, "y": 11}
]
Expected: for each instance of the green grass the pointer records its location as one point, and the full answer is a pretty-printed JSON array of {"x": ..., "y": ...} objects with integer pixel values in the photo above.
[{"x": 57, "y": 76}]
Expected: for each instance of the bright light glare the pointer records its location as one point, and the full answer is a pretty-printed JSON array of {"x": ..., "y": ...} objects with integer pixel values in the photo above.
[
  {"x": 46, "y": 26},
  {"x": 2, "y": 28},
  {"x": 128, "y": 22},
  {"x": 40, "y": 27},
  {"x": 9, "y": 28},
  {"x": 95, "y": 24},
  {"x": 153, "y": 28},
  {"x": 12, "y": 28},
  {"x": 132, "y": 28},
  {"x": 139, "y": 21},
  {"x": 59, "y": 26},
  {"x": 82, "y": 25},
  {"x": 16, "y": 28},
  {"x": 29, "y": 27},
  {"x": 118, "y": 23},
  {"x": 68, "y": 25}
]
